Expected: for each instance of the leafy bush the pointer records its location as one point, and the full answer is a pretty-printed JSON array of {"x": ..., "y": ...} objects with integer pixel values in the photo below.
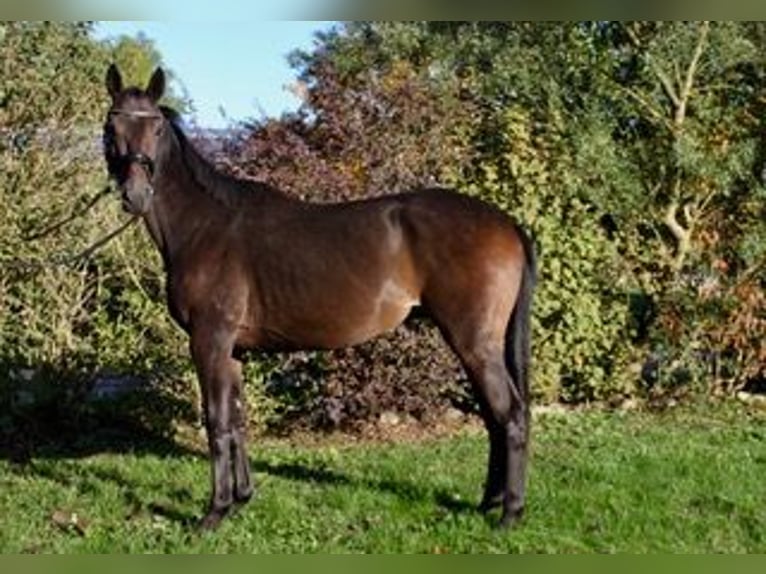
[
  {"x": 410, "y": 372},
  {"x": 580, "y": 311},
  {"x": 63, "y": 325}
]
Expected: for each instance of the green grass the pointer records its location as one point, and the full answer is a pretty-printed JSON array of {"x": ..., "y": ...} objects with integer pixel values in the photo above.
[{"x": 691, "y": 480}]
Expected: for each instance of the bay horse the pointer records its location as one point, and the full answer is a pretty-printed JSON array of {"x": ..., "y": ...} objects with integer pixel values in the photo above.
[{"x": 250, "y": 268}]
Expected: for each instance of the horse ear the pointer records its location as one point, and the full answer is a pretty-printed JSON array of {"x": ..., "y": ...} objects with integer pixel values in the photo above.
[
  {"x": 113, "y": 81},
  {"x": 156, "y": 86}
]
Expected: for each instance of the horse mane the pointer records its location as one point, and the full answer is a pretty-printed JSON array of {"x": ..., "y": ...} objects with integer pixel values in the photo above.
[{"x": 224, "y": 188}]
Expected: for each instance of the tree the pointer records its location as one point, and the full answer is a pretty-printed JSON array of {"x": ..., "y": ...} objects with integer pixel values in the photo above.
[
  {"x": 690, "y": 109},
  {"x": 364, "y": 129}
]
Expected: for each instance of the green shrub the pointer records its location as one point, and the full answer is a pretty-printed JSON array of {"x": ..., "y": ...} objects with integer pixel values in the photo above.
[
  {"x": 63, "y": 325},
  {"x": 582, "y": 332}
]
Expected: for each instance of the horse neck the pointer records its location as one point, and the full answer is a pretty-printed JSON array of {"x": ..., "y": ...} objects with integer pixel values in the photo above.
[{"x": 180, "y": 207}]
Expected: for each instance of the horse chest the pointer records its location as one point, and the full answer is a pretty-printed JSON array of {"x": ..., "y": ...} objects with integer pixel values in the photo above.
[
  {"x": 193, "y": 294},
  {"x": 178, "y": 303}
]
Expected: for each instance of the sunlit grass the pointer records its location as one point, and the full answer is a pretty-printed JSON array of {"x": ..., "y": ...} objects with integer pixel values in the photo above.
[{"x": 690, "y": 480}]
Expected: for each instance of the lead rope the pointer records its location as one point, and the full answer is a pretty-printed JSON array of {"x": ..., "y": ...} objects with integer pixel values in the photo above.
[
  {"x": 74, "y": 215},
  {"x": 65, "y": 259},
  {"x": 84, "y": 255}
]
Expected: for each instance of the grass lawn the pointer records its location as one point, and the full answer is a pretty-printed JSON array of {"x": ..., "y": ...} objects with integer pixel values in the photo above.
[{"x": 688, "y": 480}]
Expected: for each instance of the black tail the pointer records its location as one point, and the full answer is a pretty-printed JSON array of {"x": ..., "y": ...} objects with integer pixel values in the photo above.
[{"x": 518, "y": 336}]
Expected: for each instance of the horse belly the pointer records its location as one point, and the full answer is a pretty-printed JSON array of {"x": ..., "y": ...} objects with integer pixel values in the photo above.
[
  {"x": 392, "y": 305},
  {"x": 341, "y": 320},
  {"x": 382, "y": 318}
]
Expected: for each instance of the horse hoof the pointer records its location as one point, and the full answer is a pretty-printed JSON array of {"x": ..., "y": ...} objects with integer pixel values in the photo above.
[
  {"x": 510, "y": 519},
  {"x": 211, "y": 520},
  {"x": 488, "y": 504},
  {"x": 244, "y": 496}
]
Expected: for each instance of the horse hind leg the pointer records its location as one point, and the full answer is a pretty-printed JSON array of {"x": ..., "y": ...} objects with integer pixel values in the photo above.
[
  {"x": 504, "y": 415},
  {"x": 517, "y": 439},
  {"x": 494, "y": 485}
]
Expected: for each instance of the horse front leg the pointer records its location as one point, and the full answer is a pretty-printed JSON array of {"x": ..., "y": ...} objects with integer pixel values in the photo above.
[
  {"x": 218, "y": 374},
  {"x": 243, "y": 484}
]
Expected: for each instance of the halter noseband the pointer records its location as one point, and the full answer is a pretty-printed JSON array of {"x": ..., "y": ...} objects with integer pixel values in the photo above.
[{"x": 140, "y": 158}]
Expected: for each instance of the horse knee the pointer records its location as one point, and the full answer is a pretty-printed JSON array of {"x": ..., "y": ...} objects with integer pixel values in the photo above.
[
  {"x": 493, "y": 385},
  {"x": 516, "y": 431},
  {"x": 220, "y": 442},
  {"x": 507, "y": 411},
  {"x": 500, "y": 407},
  {"x": 218, "y": 422}
]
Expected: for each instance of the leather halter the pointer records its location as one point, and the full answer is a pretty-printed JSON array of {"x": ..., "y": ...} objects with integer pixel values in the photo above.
[{"x": 146, "y": 162}]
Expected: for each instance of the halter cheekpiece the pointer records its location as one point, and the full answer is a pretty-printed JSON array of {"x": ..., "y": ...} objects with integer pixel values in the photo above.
[{"x": 140, "y": 158}]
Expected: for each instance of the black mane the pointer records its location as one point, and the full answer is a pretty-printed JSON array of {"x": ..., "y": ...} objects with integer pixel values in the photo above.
[{"x": 224, "y": 188}]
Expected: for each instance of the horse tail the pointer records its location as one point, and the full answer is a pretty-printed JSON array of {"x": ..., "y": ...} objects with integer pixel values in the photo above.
[{"x": 518, "y": 334}]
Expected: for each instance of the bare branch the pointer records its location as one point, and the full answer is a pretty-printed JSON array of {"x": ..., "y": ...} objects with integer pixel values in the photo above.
[
  {"x": 691, "y": 71},
  {"x": 666, "y": 82},
  {"x": 648, "y": 106},
  {"x": 681, "y": 234}
]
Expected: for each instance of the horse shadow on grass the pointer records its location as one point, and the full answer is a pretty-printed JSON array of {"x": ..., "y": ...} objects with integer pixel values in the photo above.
[
  {"x": 51, "y": 419},
  {"x": 51, "y": 413},
  {"x": 46, "y": 428},
  {"x": 403, "y": 489}
]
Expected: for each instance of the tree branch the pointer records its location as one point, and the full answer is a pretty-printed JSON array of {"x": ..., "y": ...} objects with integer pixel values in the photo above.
[
  {"x": 651, "y": 109},
  {"x": 665, "y": 81},
  {"x": 691, "y": 71},
  {"x": 681, "y": 234}
]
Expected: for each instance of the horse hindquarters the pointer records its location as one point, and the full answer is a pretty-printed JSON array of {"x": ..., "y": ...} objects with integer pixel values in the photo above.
[{"x": 483, "y": 314}]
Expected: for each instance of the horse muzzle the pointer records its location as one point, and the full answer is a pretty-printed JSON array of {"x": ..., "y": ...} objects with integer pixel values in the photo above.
[{"x": 136, "y": 199}]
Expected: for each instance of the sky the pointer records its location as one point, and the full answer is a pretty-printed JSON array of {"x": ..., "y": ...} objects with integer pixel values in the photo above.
[
  {"x": 202, "y": 11},
  {"x": 238, "y": 67}
]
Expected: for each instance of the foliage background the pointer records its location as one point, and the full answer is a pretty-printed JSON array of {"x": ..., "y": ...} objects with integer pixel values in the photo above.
[{"x": 633, "y": 151}]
